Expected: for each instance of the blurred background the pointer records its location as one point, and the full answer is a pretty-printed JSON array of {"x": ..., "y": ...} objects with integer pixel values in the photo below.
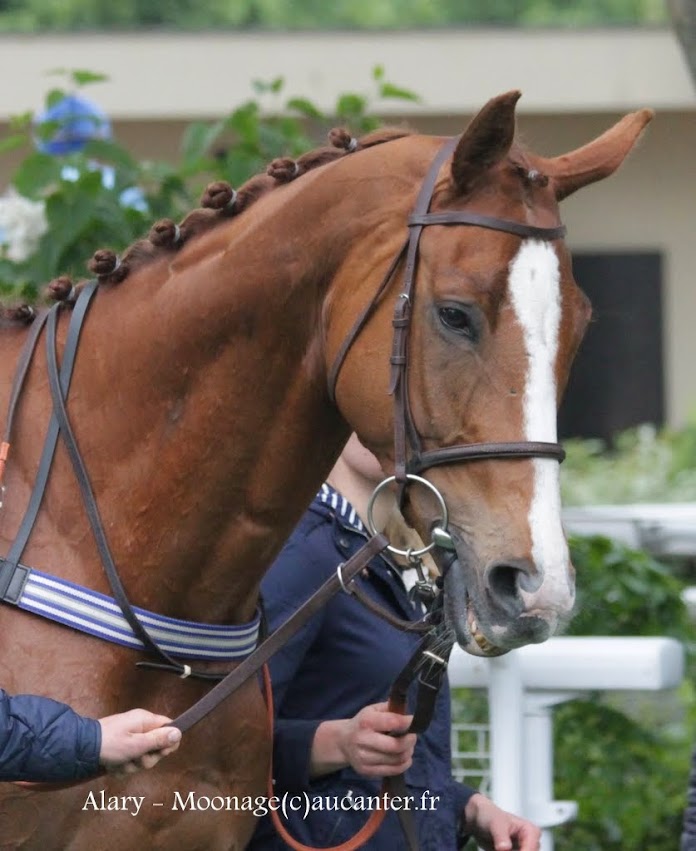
[{"x": 113, "y": 115}]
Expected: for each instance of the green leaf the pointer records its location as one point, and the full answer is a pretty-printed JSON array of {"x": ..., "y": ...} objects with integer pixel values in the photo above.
[
  {"x": 21, "y": 122},
  {"x": 304, "y": 107},
  {"x": 107, "y": 151},
  {"x": 12, "y": 143},
  {"x": 245, "y": 121},
  {"x": 198, "y": 139},
  {"x": 46, "y": 130},
  {"x": 349, "y": 105},
  {"x": 85, "y": 78},
  {"x": 261, "y": 87},
  {"x": 36, "y": 173},
  {"x": 378, "y": 73},
  {"x": 387, "y": 90},
  {"x": 54, "y": 97}
]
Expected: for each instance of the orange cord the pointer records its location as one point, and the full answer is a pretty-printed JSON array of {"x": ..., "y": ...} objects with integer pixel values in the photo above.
[{"x": 365, "y": 833}]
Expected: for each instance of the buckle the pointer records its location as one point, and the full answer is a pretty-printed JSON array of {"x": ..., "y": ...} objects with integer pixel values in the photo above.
[{"x": 13, "y": 578}]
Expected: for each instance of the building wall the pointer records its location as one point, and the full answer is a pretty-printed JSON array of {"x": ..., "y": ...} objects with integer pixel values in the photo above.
[{"x": 575, "y": 86}]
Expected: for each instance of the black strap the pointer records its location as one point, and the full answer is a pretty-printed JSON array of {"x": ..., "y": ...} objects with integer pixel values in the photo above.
[
  {"x": 92, "y": 509},
  {"x": 429, "y": 664},
  {"x": 483, "y": 451},
  {"x": 465, "y": 217},
  {"x": 71, "y": 343},
  {"x": 13, "y": 576},
  {"x": 401, "y": 323},
  {"x": 371, "y": 605},
  {"x": 23, "y": 364},
  {"x": 361, "y": 321}
]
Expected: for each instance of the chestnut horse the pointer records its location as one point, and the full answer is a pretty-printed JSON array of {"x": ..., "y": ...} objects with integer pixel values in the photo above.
[{"x": 201, "y": 404}]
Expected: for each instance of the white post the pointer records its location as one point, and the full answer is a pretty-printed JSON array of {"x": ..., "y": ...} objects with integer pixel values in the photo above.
[
  {"x": 506, "y": 708},
  {"x": 541, "y": 808}
]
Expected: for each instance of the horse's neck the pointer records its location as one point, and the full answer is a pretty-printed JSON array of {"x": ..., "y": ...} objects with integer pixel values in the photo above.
[
  {"x": 202, "y": 412},
  {"x": 200, "y": 403}
]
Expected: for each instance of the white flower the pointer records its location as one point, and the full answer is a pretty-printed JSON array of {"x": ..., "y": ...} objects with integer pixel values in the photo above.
[{"x": 22, "y": 224}]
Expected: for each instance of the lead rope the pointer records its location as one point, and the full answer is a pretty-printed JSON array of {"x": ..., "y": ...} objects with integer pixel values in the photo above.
[
  {"x": 366, "y": 832},
  {"x": 429, "y": 664}
]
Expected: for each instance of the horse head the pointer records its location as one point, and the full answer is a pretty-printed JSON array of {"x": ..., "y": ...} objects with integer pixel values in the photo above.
[{"x": 493, "y": 323}]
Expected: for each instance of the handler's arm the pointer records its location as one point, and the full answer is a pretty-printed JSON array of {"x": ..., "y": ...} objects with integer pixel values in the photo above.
[{"x": 44, "y": 740}]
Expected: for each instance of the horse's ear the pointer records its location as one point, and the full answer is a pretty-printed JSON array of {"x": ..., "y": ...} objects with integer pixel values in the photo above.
[
  {"x": 599, "y": 158},
  {"x": 486, "y": 141}
]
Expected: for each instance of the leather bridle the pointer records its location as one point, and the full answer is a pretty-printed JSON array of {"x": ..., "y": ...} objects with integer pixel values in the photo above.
[{"x": 409, "y": 455}]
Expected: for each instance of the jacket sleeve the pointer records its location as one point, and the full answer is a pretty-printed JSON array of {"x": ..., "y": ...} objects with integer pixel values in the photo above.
[
  {"x": 461, "y": 794},
  {"x": 43, "y": 740},
  {"x": 297, "y": 572}
]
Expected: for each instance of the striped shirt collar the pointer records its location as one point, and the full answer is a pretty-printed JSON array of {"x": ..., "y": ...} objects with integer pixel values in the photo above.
[
  {"x": 330, "y": 497},
  {"x": 342, "y": 508}
]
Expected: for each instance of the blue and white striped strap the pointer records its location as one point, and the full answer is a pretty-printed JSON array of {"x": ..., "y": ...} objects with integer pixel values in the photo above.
[{"x": 96, "y": 614}]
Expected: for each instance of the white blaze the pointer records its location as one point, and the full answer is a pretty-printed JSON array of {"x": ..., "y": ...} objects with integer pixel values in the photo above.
[{"x": 536, "y": 298}]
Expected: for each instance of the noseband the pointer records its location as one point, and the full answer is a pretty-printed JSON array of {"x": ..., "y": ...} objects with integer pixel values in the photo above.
[{"x": 409, "y": 456}]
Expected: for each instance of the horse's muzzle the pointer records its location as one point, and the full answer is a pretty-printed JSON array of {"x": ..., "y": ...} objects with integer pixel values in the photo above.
[{"x": 490, "y": 610}]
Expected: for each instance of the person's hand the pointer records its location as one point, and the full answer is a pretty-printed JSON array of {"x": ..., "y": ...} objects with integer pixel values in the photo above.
[
  {"x": 369, "y": 748},
  {"x": 496, "y": 830},
  {"x": 136, "y": 739},
  {"x": 367, "y": 742}
]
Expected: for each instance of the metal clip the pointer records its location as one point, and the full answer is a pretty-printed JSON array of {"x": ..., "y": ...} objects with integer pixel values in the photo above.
[
  {"x": 442, "y": 538},
  {"x": 339, "y": 573},
  {"x": 435, "y": 657}
]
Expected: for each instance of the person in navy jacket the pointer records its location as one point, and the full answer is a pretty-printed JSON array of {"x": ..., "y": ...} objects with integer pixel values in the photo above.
[
  {"x": 45, "y": 741},
  {"x": 330, "y": 684}
]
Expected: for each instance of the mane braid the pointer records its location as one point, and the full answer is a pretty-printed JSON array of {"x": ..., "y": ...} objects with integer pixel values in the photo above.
[{"x": 219, "y": 202}]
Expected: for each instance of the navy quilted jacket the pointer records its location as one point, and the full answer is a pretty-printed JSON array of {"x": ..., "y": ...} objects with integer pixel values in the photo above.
[
  {"x": 43, "y": 740},
  {"x": 343, "y": 659}
]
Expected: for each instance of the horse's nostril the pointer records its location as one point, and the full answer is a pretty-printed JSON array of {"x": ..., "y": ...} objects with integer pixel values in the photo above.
[{"x": 506, "y": 579}]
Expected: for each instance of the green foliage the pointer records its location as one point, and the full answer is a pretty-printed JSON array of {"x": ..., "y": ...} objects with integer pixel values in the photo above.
[
  {"x": 625, "y": 760},
  {"x": 85, "y": 212},
  {"x": 645, "y": 465},
  {"x": 621, "y": 591},
  {"x": 623, "y": 757},
  {"x": 628, "y": 777},
  {"x": 33, "y": 15}
]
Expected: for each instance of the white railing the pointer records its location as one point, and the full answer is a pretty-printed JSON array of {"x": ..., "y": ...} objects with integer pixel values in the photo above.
[
  {"x": 663, "y": 529},
  {"x": 525, "y": 685}
]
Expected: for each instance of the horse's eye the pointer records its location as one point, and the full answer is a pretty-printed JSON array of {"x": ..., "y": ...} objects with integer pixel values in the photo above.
[{"x": 457, "y": 319}]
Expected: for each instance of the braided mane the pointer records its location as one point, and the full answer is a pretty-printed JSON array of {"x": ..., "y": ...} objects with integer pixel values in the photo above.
[{"x": 219, "y": 203}]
